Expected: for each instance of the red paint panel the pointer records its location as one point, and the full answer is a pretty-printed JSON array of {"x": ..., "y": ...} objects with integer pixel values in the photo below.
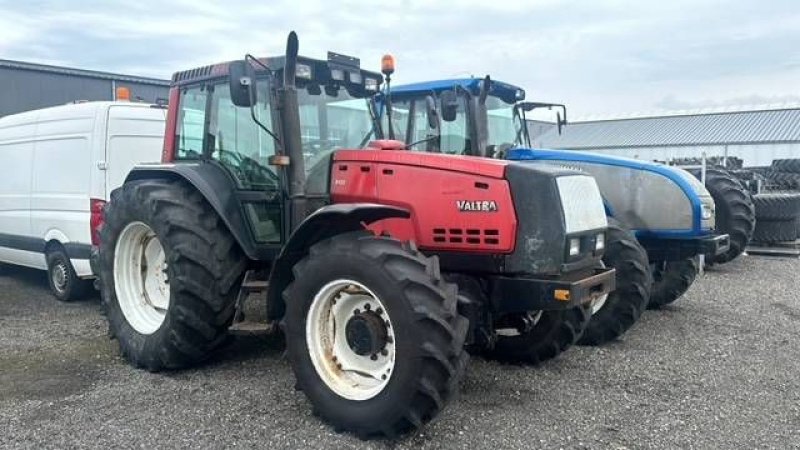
[
  {"x": 467, "y": 164},
  {"x": 353, "y": 182},
  {"x": 432, "y": 196},
  {"x": 168, "y": 154}
]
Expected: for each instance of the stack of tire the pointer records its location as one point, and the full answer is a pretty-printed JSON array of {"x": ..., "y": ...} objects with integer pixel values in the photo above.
[
  {"x": 784, "y": 174},
  {"x": 777, "y": 217}
]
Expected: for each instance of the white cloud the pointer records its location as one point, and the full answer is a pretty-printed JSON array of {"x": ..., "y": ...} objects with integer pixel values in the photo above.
[{"x": 611, "y": 56}]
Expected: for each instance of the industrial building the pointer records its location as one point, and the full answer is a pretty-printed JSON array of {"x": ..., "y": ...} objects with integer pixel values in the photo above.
[
  {"x": 756, "y": 136},
  {"x": 25, "y": 86}
]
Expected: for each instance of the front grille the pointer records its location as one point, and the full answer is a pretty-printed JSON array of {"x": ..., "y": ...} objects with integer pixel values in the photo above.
[{"x": 473, "y": 236}]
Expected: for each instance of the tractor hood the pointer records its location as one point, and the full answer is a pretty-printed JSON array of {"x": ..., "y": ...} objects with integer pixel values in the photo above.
[
  {"x": 485, "y": 167},
  {"x": 654, "y": 199}
]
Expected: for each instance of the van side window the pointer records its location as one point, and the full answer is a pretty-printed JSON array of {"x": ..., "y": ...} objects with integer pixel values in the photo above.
[{"x": 191, "y": 122}]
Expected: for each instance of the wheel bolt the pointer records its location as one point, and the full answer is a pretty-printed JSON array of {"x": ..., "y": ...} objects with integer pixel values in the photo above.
[
  {"x": 339, "y": 366},
  {"x": 367, "y": 306},
  {"x": 357, "y": 312},
  {"x": 384, "y": 352},
  {"x": 379, "y": 310},
  {"x": 374, "y": 357},
  {"x": 383, "y": 377},
  {"x": 334, "y": 358},
  {"x": 389, "y": 339},
  {"x": 387, "y": 323}
]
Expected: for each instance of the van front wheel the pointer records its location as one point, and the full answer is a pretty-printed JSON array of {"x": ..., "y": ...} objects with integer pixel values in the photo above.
[{"x": 64, "y": 283}]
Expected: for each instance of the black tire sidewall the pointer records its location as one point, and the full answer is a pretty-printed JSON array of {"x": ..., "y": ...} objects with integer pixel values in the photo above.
[
  {"x": 392, "y": 401},
  {"x": 132, "y": 341},
  {"x": 71, "y": 287}
]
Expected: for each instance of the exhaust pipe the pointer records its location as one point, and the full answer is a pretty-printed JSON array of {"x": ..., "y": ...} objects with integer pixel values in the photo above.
[{"x": 293, "y": 146}]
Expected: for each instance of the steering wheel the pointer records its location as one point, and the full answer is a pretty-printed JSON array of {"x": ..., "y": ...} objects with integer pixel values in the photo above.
[
  {"x": 247, "y": 169},
  {"x": 500, "y": 151}
]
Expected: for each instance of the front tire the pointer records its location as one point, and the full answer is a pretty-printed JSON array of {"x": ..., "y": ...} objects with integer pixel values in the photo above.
[
  {"x": 551, "y": 334},
  {"x": 735, "y": 212},
  {"x": 622, "y": 307},
  {"x": 399, "y": 355},
  {"x": 169, "y": 274},
  {"x": 671, "y": 279}
]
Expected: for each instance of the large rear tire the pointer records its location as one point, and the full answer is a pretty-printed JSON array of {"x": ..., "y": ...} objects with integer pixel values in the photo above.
[
  {"x": 373, "y": 334},
  {"x": 735, "y": 213},
  {"x": 614, "y": 315},
  {"x": 671, "y": 279},
  {"x": 169, "y": 274}
]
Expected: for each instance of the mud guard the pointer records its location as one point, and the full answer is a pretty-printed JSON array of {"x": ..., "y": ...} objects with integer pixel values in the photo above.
[{"x": 324, "y": 223}]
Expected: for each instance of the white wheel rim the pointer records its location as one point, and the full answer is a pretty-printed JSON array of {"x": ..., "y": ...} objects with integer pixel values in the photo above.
[
  {"x": 598, "y": 303},
  {"x": 140, "y": 278},
  {"x": 348, "y": 374}
]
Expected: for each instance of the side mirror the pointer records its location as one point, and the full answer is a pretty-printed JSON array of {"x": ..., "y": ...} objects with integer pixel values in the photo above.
[
  {"x": 433, "y": 114},
  {"x": 242, "y": 82},
  {"x": 449, "y": 102}
]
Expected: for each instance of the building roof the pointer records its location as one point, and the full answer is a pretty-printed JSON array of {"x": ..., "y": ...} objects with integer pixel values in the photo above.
[
  {"x": 20, "y": 65},
  {"x": 726, "y": 128}
]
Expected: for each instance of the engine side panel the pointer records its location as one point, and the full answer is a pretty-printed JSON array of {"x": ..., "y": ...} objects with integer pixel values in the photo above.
[{"x": 450, "y": 210}]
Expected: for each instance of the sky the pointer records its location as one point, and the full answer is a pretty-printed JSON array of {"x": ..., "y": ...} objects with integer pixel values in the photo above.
[{"x": 602, "y": 58}]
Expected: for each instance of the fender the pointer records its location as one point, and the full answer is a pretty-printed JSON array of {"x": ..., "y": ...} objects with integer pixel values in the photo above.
[
  {"x": 214, "y": 184},
  {"x": 324, "y": 223}
]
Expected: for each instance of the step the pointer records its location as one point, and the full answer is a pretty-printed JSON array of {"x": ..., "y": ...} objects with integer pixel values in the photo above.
[{"x": 249, "y": 328}]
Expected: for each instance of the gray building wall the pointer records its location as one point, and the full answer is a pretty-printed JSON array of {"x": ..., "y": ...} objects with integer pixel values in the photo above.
[{"x": 24, "y": 87}]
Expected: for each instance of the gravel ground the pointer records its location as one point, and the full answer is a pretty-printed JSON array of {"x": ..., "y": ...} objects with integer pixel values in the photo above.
[{"x": 719, "y": 369}]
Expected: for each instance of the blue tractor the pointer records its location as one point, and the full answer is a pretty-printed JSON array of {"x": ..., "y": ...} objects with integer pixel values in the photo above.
[{"x": 661, "y": 218}]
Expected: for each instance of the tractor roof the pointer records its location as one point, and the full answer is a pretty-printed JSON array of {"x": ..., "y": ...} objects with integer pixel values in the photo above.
[
  {"x": 321, "y": 69},
  {"x": 506, "y": 92}
]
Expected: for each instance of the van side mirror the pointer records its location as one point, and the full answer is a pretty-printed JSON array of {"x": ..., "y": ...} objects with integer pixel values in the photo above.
[
  {"x": 433, "y": 114},
  {"x": 449, "y": 102},
  {"x": 242, "y": 82}
]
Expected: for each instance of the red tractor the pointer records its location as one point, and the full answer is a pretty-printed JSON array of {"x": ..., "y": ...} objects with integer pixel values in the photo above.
[{"x": 256, "y": 179}]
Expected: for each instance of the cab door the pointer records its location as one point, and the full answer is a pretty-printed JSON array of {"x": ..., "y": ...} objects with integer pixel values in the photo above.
[
  {"x": 236, "y": 141},
  {"x": 211, "y": 127}
]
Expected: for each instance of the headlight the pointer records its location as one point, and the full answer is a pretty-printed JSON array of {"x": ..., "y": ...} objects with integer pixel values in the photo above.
[
  {"x": 706, "y": 212},
  {"x": 355, "y": 77},
  {"x": 582, "y": 203},
  {"x": 371, "y": 84},
  {"x": 337, "y": 74},
  {"x": 574, "y": 247},
  {"x": 303, "y": 71},
  {"x": 600, "y": 242}
]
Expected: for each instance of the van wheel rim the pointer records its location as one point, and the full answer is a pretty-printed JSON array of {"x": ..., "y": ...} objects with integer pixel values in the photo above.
[
  {"x": 140, "y": 278},
  {"x": 59, "y": 276},
  {"x": 351, "y": 340}
]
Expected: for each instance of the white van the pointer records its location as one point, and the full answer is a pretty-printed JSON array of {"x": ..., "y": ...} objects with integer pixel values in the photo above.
[{"x": 58, "y": 167}]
